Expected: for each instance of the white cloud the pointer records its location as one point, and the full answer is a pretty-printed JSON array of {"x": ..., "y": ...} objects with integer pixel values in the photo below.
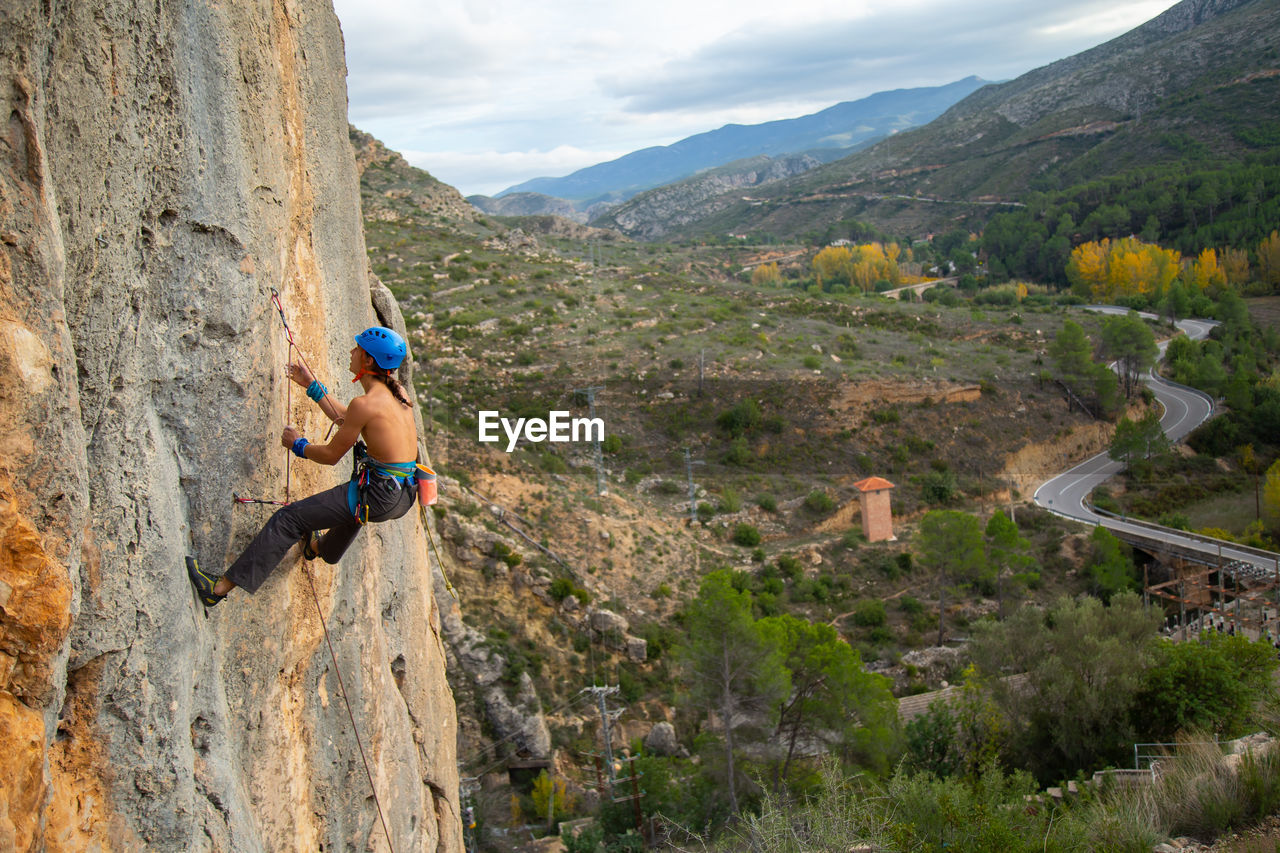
[
  {"x": 501, "y": 91},
  {"x": 490, "y": 172}
]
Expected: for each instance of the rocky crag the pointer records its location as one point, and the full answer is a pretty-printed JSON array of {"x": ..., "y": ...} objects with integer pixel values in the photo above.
[
  {"x": 163, "y": 168},
  {"x": 657, "y": 213},
  {"x": 396, "y": 191}
]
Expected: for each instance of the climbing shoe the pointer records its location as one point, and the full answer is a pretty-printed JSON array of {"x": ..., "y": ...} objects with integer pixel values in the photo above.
[
  {"x": 204, "y": 583},
  {"x": 309, "y": 544}
]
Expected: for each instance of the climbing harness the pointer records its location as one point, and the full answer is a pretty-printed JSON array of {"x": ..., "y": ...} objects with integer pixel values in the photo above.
[
  {"x": 410, "y": 474},
  {"x": 364, "y": 469}
]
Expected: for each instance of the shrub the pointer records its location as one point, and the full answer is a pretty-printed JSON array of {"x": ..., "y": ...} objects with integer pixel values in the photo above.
[
  {"x": 869, "y": 613},
  {"x": 910, "y": 605},
  {"x": 742, "y": 417},
  {"x": 767, "y": 502},
  {"x": 819, "y": 502},
  {"x": 938, "y": 487},
  {"x": 746, "y": 535},
  {"x": 790, "y": 566},
  {"x": 730, "y": 500},
  {"x": 560, "y": 589},
  {"x": 739, "y": 452},
  {"x": 668, "y": 487}
]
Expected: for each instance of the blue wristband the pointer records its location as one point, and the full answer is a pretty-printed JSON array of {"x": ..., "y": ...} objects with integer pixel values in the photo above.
[
  {"x": 316, "y": 391},
  {"x": 300, "y": 447}
]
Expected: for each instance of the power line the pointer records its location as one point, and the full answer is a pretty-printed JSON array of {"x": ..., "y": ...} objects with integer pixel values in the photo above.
[{"x": 590, "y": 391}]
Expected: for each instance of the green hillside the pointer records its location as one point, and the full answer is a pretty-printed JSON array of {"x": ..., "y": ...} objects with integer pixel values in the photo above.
[{"x": 1198, "y": 86}]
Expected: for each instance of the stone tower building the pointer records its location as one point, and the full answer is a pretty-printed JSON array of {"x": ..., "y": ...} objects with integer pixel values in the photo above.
[{"x": 877, "y": 517}]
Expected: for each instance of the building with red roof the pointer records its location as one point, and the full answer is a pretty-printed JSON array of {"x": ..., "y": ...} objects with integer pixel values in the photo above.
[{"x": 877, "y": 517}]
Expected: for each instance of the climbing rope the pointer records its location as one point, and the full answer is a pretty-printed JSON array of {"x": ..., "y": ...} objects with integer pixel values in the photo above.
[
  {"x": 294, "y": 348},
  {"x": 342, "y": 688},
  {"x": 432, "y": 540}
]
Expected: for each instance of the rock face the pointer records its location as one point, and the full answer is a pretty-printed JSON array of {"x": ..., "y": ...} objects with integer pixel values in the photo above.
[
  {"x": 653, "y": 214},
  {"x": 164, "y": 167}
]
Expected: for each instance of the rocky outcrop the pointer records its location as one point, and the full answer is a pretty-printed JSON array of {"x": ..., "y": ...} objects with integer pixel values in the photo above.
[
  {"x": 528, "y": 204},
  {"x": 163, "y": 169},
  {"x": 661, "y": 211},
  {"x": 395, "y": 191},
  {"x": 661, "y": 740}
]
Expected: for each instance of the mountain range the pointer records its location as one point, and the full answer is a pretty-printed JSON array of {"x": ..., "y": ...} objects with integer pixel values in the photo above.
[
  {"x": 822, "y": 136},
  {"x": 1199, "y": 84}
]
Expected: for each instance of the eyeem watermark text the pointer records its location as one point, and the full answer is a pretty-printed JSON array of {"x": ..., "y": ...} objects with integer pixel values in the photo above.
[{"x": 557, "y": 427}]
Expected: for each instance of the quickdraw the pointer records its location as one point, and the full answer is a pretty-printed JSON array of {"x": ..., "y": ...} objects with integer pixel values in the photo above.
[
  {"x": 288, "y": 458},
  {"x": 241, "y": 500}
]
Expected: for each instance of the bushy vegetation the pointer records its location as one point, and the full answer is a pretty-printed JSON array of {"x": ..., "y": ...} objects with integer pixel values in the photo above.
[{"x": 1198, "y": 794}]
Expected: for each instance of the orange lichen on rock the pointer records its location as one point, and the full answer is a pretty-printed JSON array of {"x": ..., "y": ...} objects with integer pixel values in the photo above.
[
  {"x": 35, "y": 616},
  {"x": 35, "y": 603},
  {"x": 22, "y": 783},
  {"x": 78, "y": 814}
]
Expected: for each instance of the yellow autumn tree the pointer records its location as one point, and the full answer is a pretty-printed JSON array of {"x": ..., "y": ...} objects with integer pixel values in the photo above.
[
  {"x": 766, "y": 274},
  {"x": 1235, "y": 265},
  {"x": 1205, "y": 272},
  {"x": 1110, "y": 269},
  {"x": 1087, "y": 267},
  {"x": 868, "y": 262},
  {"x": 859, "y": 267},
  {"x": 1269, "y": 260},
  {"x": 833, "y": 265}
]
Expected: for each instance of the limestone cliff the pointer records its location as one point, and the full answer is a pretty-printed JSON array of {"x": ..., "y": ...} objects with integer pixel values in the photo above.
[{"x": 163, "y": 167}]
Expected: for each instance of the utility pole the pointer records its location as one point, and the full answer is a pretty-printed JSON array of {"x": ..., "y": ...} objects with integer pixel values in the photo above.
[
  {"x": 551, "y": 800},
  {"x": 701, "y": 365},
  {"x": 688, "y": 466},
  {"x": 467, "y": 788},
  {"x": 590, "y": 391},
  {"x": 605, "y": 731}
]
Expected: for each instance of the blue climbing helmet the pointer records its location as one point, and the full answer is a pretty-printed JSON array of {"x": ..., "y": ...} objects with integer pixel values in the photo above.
[{"x": 386, "y": 347}]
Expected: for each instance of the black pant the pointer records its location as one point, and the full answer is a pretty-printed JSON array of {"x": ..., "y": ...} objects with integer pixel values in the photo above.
[{"x": 386, "y": 498}]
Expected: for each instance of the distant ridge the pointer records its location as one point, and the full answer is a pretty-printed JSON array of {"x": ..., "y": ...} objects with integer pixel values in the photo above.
[
  {"x": 824, "y": 135},
  {"x": 1199, "y": 83}
]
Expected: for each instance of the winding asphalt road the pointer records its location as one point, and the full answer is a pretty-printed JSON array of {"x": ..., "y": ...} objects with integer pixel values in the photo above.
[{"x": 1184, "y": 410}]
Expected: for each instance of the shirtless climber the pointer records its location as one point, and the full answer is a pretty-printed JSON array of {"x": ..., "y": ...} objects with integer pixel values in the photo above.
[{"x": 379, "y": 490}]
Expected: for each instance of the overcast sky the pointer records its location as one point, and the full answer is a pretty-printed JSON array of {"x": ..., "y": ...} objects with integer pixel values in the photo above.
[{"x": 485, "y": 94}]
